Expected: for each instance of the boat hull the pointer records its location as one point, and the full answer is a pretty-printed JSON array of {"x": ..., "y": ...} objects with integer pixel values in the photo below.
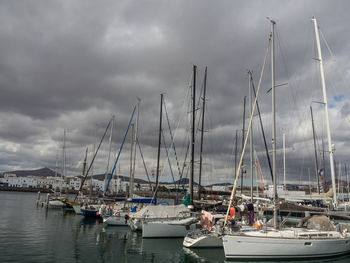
[
  {"x": 116, "y": 220},
  {"x": 56, "y": 204},
  {"x": 240, "y": 246},
  {"x": 164, "y": 229},
  {"x": 90, "y": 213},
  {"x": 202, "y": 241}
]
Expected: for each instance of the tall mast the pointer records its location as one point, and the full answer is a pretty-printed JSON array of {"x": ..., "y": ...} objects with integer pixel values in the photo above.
[
  {"x": 136, "y": 136},
  {"x": 109, "y": 153},
  {"x": 273, "y": 124},
  {"x": 347, "y": 182},
  {"x": 284, "y": 161},
  {"x": 330, "y": 148},
  {"x": 316, "y": 161},
  {"x": 308, "y": 171},
  {"x": 236, "y": 152},
  {"x": 131, "y": 183},
  {"x": 242, "y": 171},
  {"x": 159, "y": 143},
  {"x": 63, "y": 159},
  {"x": 193, "y": 129},
  {"x": 339, "y": 176},
  {"x": 251, "y": 134},
  {"x": 84, "y": 163},
  {"x": 323, "y": 165},
  {"x": 201, "y": 150},
  {"x": 93, "y": 165},
  {"x": 56, "y": 163},
  {"x": 134, "y": 131}
]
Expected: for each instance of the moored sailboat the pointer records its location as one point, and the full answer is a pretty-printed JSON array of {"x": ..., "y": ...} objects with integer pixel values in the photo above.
[{"x": 290, "y": 242}]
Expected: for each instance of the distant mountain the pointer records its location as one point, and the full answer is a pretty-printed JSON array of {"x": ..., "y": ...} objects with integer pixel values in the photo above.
[
  {"x": 187, "y": 180},
  {"x": 47, "y": 172},
  {"x": 43, "y": 172}
]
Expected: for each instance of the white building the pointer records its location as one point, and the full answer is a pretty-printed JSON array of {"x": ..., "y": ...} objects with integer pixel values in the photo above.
[
  {"x": 74, "y": 183},
  {"x": 12, "y": 180},
  {"x": 115, "y": 185}
]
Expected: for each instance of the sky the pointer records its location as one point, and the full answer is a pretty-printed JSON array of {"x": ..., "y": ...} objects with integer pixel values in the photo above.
[{"x": 72, "y": 65}]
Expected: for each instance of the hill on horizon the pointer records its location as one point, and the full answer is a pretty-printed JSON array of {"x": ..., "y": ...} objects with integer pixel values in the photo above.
[{"x": 47, "y": 172}]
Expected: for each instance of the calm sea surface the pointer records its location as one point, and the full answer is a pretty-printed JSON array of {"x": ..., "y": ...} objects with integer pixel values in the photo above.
[{"x": 34, "y": 234}]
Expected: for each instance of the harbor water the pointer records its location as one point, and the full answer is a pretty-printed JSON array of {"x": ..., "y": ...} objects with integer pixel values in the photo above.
[{"x": 34, "y": 234}]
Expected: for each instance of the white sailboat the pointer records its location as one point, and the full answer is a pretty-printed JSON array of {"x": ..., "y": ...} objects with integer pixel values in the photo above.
[
  {"x": 157, "y": 213},
  {"x": 292, "y": 242},
  {"x": 209, "y": 236},
  {"x": 114, "y": 215},
  {"x": 168, "y": 228},
  {"x": 58, "y": 200}
]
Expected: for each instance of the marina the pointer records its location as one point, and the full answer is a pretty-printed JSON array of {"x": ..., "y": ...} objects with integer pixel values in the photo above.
[
  {"x": 34, "y": 234},
  {"x": 162, "y": 131}
]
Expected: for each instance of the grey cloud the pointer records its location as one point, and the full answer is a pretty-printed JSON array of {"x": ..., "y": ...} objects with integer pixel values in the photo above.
[{"x": 73, "y": 65}]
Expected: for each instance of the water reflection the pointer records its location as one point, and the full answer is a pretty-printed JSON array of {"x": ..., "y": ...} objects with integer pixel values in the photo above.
[
  {"x": 36, "y": 234},
  {"x": 205, "y": 254}
]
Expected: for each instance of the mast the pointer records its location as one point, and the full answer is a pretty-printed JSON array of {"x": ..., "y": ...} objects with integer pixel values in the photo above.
[
  {"x": 273, "y": 124},
  {"x": 109, "y": 153},
  {"x": 347, "y": 182},
  {"x": 193, "y": 129},
  {"x": 263, "y": 133},
  {"x": 340, "y": 185},
  {"x": 316, "y": 161},
  {"x": 136, "y": 128},
  {"x": 308, "y": 171},
  {"x": 56, "y": 163},
  {"x": 201, "y": 149},
  {"x": 284, "y": 161},
  {"x": 131, "y": 183},
  {"x": 324, "y": 165},
  {"x": 159, "y": 143},
  {"x": 251, "y": 134},
  {"x": 63, "y": 159},
  {"x": 93, "y": 165},
  {"x": 236, "y": 152},
  {"x": 242, "y": 171},
  {"x": 330, "y": 148},
  {"x": 84, "y": 163}
]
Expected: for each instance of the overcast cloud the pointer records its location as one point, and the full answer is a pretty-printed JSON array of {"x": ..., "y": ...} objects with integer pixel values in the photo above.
[{"x": 73, "y": 64}]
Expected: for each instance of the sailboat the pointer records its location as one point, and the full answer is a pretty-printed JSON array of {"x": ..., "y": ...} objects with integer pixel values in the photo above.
[
  {"x": 116, "y": 214},
  {"x": 57, "y": 200},
  {"x": 290, "y": 242},
  {"x": 168, "y": 221}
]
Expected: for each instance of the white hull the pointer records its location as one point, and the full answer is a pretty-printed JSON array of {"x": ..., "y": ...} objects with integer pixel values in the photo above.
[
  {"x": 153, "y": 213},
  {"x": 116, "y": 220},
  {"x": 56, "y": 204},
  {"x": 164, "y": 229},
  {"x": 272, "y": 245},
  {"x": 201, "y": 241}
]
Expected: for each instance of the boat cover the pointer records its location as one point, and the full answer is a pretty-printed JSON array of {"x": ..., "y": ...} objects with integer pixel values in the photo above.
[
  {"x": 162, "y": 211},
  {"x": 318, "y": 222}
]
